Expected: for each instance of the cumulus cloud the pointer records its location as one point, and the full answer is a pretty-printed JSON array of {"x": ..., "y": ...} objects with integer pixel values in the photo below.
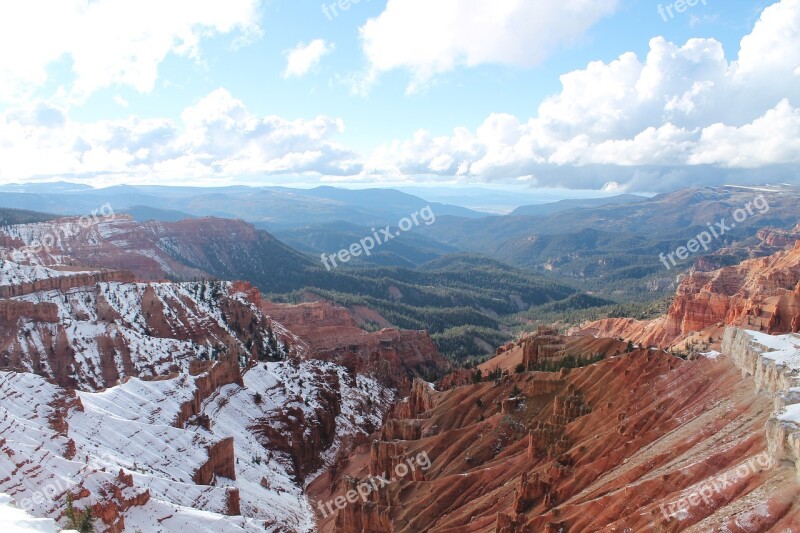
[
  {"x": 107, "y": 42},
  {"x": 217, "y": 138},
  {"x": 303, "y": 57},
  {"x": 430, "y": 38},
  {"x": 681, "y": 112}
]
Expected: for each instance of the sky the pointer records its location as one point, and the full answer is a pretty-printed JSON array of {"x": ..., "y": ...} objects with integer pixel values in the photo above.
[{"x": 603, "y": 95}]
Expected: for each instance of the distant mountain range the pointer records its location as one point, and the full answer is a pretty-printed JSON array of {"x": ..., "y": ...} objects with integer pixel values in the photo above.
[
  {"x": 610, "y": 246},
  {"x": 543, "y": 210},
  {"x": 270, "y": 207}
]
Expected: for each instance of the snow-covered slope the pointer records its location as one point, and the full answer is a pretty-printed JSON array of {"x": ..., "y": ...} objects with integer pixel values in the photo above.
[
  {"x": 15, "y": 520},
  {"x": 193, "y": 410},
  {"x": 105, "y": 332},
  {"x": 18, "y": 274},
  {"x": 162, "y": 406},
  {"x": 119, "y": 450}
]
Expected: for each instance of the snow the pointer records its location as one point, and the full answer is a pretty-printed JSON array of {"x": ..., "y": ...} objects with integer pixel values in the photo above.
[
  {"x": 109, "y": 320},
  {"x": 783, "y": 349},
  {"x": 712, "y": 354},
  {"x": 761, "y": 189},
  {"x": 57, "y": 441},
  {"x": 16, "y": 274},
  {"x": 130, "y": 427},
  {"x": 14, "y": 520}
]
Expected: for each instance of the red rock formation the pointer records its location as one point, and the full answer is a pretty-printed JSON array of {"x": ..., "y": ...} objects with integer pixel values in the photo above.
[
  {"x": 212, "y": 376},
  {"x": 65, "y": 283},
  {"x": 304, "y": 437},
  {"x": 544, "y": 344},
  {"x": 221, "y": 462},
  {"x": 761, "y": 294},
  {"x": 113, "y": 499},
  {"x": 420, "y": 400},
  {"x": 149, "y": 249},
  {"x": 602, "y": 447},
  {"x": 243, "y": 334},
  {"x": 11, "y": 311},
  {"x": 778, "y": 238},
  {"x": 392, "y": 356}
]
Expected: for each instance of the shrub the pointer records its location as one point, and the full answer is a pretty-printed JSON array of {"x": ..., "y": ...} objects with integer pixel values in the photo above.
[{"x": 80, "y": 521}]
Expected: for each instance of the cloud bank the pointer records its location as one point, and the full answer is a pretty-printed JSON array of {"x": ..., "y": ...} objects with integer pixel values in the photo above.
[
  {"x": 107, "y": 42},
  {"x": 682, "y": 115}
]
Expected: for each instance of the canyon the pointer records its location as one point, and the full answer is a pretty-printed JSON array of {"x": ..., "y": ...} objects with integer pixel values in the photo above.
[
  {"x": 167, "y": 405},
  {"x": 634, "y": 439},
  {"x": 762, "y": 293},
  {"x": 174, "y": 405}
]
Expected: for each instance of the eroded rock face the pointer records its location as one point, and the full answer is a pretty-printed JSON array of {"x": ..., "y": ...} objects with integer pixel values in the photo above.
[
  {"x": 85, "y": 333},
  {"x": 66, "y": 282},
  {"x": 544, "y": 344},
  {"x": 609, "y": 446},
  {"x": 772, "y": 362},
  {"x": 395, "y": 357},
  {"x": 221, "y": 462},
  {"x": 761, "y": 294},
  {"x": 151, "y": 250},
  {"x": 201, "y": 398}
]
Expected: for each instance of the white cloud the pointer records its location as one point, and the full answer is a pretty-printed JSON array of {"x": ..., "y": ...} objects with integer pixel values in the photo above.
[
  {"x": 649, "y": 123},
  {"x": 430, "y": 38},
  {"x": 217, "y": 139},
  {"x": 682, "y": 107},
  {"x": 304, "y": 57},
  {"x": 108, "y": 42}
]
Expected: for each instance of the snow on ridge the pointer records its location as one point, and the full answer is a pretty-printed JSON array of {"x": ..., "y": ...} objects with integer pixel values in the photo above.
[
  {"x": 783, "y": 349},
  {"x": 15, "y": 520},
  {"x": 109, "y": 319},
  {"x": 129, "y": 427},
  {"x": 16, "y": 274}
]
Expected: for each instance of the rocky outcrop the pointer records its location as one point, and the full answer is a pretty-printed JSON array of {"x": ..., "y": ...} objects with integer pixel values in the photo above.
[
  {"x": 113, "y": 499},
  {"x": 774, "y": 365},
  {"x": 420, "y": 400},
  {"x": 389, "y": 459},
  {"x": 97, "y": 336},
  {"x": 546, "y": 343},
  {"x": 528, "y": 492},
  {"x": 211, "y": 377},
  {"x": 761, "y": 294},
  {"x": 394, "y": 429},
  {"x": 65, "y": 283},
  {"x": 11, "y": 311},
  {"x": 154, "y": 250},
  {"x": 221, "y": 462},
  {"x": 394, "y": 357},
  {"x": 778, "y": 238},
  {"x": 603, "y": 447},
  {"x": 305, "y": 435},
  {"x": 359, "y": 516}
]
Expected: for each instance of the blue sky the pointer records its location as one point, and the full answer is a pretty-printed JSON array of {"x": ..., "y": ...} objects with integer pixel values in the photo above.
[{"x": 446, "y": 92}]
